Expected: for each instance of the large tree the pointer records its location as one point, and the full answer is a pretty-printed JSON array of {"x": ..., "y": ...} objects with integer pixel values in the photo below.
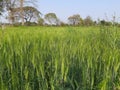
[
  {"x": 52, "y": 19},
  {"x": 88, "y": 21},
  {"x": 29, "y": 13},
  {"x": 10, "y": 4},
  {"x": 75, "y": 19},
  {"x": 21, "y": 8}
]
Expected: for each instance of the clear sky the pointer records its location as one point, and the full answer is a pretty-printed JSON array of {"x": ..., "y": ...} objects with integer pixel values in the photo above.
[{"x": 103, "y": 9}]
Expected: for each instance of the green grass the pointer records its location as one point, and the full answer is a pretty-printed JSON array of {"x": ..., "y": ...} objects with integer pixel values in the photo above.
[{"x": 60, "y": 58}]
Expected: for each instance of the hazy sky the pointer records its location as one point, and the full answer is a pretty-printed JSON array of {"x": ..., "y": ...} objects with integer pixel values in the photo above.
[{"x": 95, "y": 8}]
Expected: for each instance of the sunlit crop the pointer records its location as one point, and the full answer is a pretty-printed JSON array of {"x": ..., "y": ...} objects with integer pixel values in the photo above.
[{"x": 60, "y": 58}]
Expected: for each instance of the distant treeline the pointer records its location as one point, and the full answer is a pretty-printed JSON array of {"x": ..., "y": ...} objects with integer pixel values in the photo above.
[{"x": 33, "y": 17}]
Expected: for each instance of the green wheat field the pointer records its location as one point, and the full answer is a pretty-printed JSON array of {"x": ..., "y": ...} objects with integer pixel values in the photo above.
[{"x": 60, "y": 58}]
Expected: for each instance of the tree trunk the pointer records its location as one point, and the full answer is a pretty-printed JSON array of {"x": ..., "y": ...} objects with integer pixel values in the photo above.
[
  {"x": 22, "y": 15},
  {"x": 11, "y": 16}
]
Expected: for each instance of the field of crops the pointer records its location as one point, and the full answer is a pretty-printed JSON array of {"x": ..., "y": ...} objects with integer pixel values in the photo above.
[{"x": 60, "y": 58}]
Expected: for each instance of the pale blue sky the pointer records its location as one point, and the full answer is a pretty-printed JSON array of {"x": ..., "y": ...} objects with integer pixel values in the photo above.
[{"x": 95, "y": 8}]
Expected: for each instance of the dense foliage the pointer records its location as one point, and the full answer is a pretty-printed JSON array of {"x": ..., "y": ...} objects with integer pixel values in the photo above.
[{"x": 60, "y": 58}]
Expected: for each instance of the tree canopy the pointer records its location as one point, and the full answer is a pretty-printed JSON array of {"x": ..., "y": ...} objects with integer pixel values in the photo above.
[
  {"x": 52, "y": 18},
  {"x": 75, "y": 19},
  {"x": 29, "y": 13},
  {"x": 1, "y": 6},
  {"x": 88, "y": 21}
]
